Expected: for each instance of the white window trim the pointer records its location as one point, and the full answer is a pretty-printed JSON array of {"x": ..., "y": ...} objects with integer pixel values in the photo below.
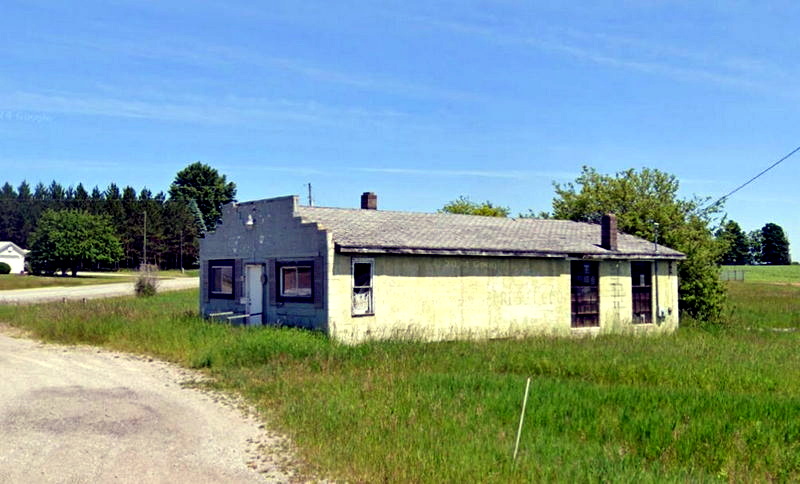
[{"x": 371, "y": 263}]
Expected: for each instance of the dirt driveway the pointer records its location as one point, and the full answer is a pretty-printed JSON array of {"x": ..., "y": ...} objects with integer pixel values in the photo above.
[{"x": 79, "y": 414}]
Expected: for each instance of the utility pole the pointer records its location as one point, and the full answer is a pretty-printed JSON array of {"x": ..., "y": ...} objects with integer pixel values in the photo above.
[
  {"x": 181, "y": 250},
  {"x": 145, "y": 238},
  {"x": 655, "y": 236}
]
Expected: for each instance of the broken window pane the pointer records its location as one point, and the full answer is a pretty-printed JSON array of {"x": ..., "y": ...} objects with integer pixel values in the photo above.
[
  {"x": 585, "y": 294},
  {"x": 362, "y": 274},
  {"x": 362, "y": 287}
]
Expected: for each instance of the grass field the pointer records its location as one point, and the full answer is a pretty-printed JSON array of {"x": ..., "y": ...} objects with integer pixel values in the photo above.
[
  {"x": 778, "y": 274},
  {"x": 702, "y": 404}
]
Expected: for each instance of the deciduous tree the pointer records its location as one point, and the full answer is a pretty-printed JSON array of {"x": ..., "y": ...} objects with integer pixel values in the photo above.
[
  {"x": 640, "y": 199},
  {"x": 204, "y": 185},
  {"x": 465, "y": 206},
  {"x": 68, "y": 240}
]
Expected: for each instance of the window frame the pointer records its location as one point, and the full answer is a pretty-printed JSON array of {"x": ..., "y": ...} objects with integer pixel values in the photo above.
[
  {"x": 641, "y": 290},
  {"x": 221, "y": 264},
  {"x": 294, "y": 264},
  {"x": 369, "y": 288},
  {"x": 579, "y": 314}
]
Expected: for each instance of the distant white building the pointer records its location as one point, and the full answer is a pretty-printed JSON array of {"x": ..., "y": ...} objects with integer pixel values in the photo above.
[{"x": 13, "y": 255}]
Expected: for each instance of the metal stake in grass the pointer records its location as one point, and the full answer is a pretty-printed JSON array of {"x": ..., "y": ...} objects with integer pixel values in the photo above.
[{"x": 522, "y": 417}]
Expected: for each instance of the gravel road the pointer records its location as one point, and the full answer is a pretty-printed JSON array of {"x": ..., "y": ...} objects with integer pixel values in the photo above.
[
  {"x": 79, "y": 414},
  {"x": 44, "y": 294}
]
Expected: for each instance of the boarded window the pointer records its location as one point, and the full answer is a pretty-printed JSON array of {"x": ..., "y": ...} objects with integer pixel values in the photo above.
[
  {"x": 642, "y": 292},
  {"x": 297, "y": 281},
  {"x": 585, "y": 294},
  {"x": 362, "y": 287},
  {"x": 220, "y": 279}
]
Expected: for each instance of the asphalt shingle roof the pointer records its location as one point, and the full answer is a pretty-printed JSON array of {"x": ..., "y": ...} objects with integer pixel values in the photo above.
[{"x": 380, "y": 231}]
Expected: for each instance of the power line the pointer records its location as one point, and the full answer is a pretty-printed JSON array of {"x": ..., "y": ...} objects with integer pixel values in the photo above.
[{"x": 725, "y": 197}]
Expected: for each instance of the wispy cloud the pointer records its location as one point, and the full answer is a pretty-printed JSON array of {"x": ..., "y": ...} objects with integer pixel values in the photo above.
[
  {"x": 508, "y": 174},
  {"x": 635, "y": 54},
  {"x": 295, "y": 170},
  {"x": 52, "y": 164},
  {"x": 192, "y": 109},
  {"x": 466, "y": 173},
  {"x": 194, "y": 52}
]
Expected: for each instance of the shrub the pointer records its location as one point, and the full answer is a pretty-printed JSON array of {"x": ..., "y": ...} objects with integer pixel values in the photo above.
[
  {"x": 5, "y": 268},
  {"x": 147, "y": 282}
]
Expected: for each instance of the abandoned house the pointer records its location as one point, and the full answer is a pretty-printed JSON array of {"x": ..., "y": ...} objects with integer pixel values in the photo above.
[{"x": 365, "y": 273}]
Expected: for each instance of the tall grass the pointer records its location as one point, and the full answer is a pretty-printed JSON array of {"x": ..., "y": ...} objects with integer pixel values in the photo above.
[
  {"x": 696, "y": 405},
  {"x": 764, "y": 305}
]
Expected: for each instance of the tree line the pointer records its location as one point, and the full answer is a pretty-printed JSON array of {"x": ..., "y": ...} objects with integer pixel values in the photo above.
[
  {"x": 156, "y": 229},
  {"x": 769, "y": 245}
]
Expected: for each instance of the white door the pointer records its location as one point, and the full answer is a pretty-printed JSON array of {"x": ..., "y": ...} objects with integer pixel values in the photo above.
[{"x": 254, "y": 277}]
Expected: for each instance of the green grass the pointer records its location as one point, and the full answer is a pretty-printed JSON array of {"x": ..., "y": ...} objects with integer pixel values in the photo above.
[
  {"x": 700, "y": 405},
  {"x": 15, "y": 281},
  {"x": 775, "y": 274},
  {"x": 764, "y": 305}
]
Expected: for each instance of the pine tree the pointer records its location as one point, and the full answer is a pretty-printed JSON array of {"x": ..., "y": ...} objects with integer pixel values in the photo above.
[
  {"x": 774, "y": 245},
  {"x": 737, "y": 247}
]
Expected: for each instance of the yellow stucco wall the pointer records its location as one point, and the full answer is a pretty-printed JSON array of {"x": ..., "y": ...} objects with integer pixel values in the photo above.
[
  {"x": 435, "y": 297},
  {"x": 616, "y": 303}
]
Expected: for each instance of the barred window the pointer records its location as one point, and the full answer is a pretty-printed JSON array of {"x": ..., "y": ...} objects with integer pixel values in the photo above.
[
  {"x": 642, "y": 292},
  {"x": 585, "y": 294}
]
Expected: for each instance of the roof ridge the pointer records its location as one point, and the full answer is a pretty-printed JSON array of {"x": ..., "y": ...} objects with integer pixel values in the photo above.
[{"x": 443, "y": 214}]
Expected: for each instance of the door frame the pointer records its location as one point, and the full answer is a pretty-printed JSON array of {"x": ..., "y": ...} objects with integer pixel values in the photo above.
[{"x": 259, "y": 317}]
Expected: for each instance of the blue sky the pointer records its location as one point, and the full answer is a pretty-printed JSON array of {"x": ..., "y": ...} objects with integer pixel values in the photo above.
[{"x": 418, "y": 101}]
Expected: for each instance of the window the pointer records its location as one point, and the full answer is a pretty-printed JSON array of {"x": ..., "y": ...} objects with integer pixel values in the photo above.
[
  {"x": 296, "y": 281},
  {"x": 585, "y": 294},
  {"x": 642, "y": 292},
  {"x": 220, "y": 279},
  {"x": 362, "y": 287}
]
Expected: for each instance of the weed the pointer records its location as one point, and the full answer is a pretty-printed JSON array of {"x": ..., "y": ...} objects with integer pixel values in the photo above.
[{"x": 146, "y": 284}]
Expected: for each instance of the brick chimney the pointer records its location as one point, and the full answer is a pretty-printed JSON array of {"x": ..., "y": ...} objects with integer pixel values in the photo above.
[
  {"x": 369, "y": 201},
  {"x": 608, "y": 232}
]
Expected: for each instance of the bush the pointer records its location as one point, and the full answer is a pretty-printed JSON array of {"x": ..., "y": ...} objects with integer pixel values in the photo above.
[
  {"x": 147, "y": 282},
  {"x": 5, "y": 268}
]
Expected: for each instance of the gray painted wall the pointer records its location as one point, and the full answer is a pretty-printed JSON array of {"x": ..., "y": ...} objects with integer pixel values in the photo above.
[{"x": 275, "y": 236}]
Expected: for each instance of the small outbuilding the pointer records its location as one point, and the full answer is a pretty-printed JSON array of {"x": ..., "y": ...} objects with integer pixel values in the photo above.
[
  {"x": 360, "y": 274},
  {"x": 14, "y": 256}
]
